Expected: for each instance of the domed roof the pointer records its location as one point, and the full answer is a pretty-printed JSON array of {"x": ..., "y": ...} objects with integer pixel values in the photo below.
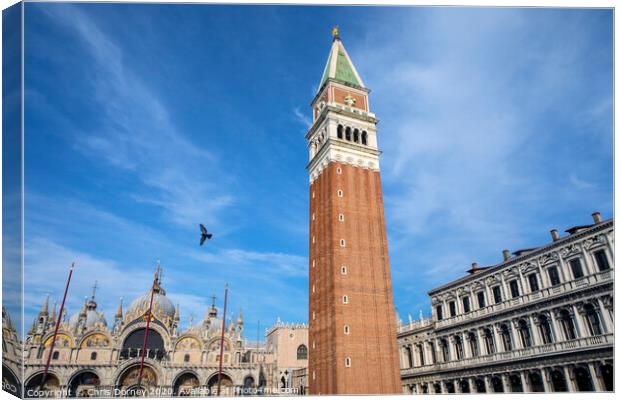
[
  {"x": 163, "y": 308},
  {"x": 211, "y": 324},
  {"x": 162, "y": 305},
  {"x": 91, "y": 316}
]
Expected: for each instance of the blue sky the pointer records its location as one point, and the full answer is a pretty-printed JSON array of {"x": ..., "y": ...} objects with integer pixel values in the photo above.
[{"x": 143, "y": 120}]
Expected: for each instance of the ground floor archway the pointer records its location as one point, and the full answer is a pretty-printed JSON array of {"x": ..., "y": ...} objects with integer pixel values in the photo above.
[
  {"x": 35, "y": 387},
  {"x": 127, "y": 382},
  {"x": 536, "y": 382},
  {"x": 558, "y": 381},
  {"x": 185, "y": 384},
  {"x": 10, "y": 382},
  {"x": 226, "y": 385},
  {"x": 516, "y": 386},
  {"x": 607, "y": 376},
  {"x": 583, "y": 380},
  {"x": 497, "y": 384},
  {"x": 83, "y": 384}
]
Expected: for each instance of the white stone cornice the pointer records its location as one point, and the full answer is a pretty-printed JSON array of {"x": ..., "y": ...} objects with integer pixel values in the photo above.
[{"x": 332, "y": 151}]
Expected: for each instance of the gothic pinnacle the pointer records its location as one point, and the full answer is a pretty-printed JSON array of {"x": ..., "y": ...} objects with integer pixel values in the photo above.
[
  {"x": 53, "y": 316},
  {"x": 45, "y": 307},
  {"x": 119, "y": 310}
]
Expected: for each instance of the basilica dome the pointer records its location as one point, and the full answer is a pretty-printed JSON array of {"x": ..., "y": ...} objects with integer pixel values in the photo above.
[
  {"x": 211, "y": 325},
  {"x": 162, "y": 306},
  {"x": 88, "y": 317}
]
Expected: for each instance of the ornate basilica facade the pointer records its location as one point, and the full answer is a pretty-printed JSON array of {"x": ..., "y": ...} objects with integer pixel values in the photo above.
[
  {"x": 539, "y": 321},
  {"x": 93, "y": 359}
]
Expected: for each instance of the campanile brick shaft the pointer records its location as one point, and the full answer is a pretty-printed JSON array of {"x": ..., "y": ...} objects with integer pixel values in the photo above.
[{"x": 352, "y": 332}]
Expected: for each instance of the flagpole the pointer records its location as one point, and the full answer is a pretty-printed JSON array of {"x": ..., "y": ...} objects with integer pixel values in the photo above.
[
  {"x": 146, "y": 334},
  {"x": 219, "y": 375},
  {"x": 62, "y": 306}
]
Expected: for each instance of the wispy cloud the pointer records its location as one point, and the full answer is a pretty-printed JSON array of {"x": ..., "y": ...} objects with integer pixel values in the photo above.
[
  {"x": 137, "y": 133},
  {"x": 266, "y": 263},
  {"x": 48, "y": 267},
  {"x": 467, "y": 136},
  {"x": 258, "y": 280},
  {"x": 302, "y": 118},
  {"x": 579, "y": 183}
]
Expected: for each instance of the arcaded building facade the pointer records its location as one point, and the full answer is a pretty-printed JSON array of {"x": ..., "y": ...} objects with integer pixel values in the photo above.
[
  {"x": 94, "y": 358},
  {"x": 539, "y": 321},
  {"x": 352, "y": 331}
]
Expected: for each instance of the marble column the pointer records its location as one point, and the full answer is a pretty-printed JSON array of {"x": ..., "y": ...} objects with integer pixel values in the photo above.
[
  {"x": 610, "y": 245},
  {"x": 488, "y": 384},
  {"x": 499, "y": 342},
  {"x": 466, "y": 346},
  {"x": 579, "y": 322},
  {"x": 603, "y": 312},
  {"x": 522, "y": 283},
  {"x": 482, "y": 349},
  {"x": 595, "y": 375},
  {"x": 544, "y": 278},
  {"x": 558, "y": 334},
  {"x": 588, "y": 262},
  {"x": 535, "y": 331},
  {"x": 505, "y": 290},
  {"x": 506, "y": 383},
  {"x": 525, "y": 382},
  {"x": 472, "y": 385},
  {"x": 545, "y": 374},
  {"x": 488, "y": 297},
  {"x": 563, "y": 269},
  {"x": 570, "y": 378}
]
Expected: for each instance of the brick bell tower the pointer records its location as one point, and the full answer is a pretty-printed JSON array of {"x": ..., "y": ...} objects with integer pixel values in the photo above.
[{"x": 352, "y": 333}]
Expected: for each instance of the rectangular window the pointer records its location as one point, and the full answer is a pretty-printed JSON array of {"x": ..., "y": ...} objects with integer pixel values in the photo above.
[
  {"x": 575, "y": 266},
  {"x": 466, "y": 304},
  {"x": 514, "y": 288},
  {"x": 497, "y": 294},
  {"x": 452, "y": 306},
  {"x": 481, "y": 300},
  {"x": 554, "y": 276},
  {"x": 439, "y": 313},
  {"x": 533, "y": 281},
  {"x": 601, "y": 260}
]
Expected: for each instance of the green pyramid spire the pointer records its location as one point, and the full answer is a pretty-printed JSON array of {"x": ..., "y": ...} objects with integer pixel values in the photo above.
[{"x": 339, "y": 65}]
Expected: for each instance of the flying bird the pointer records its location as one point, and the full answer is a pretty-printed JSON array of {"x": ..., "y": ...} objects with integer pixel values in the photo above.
[{"x": 204, "y": 235}]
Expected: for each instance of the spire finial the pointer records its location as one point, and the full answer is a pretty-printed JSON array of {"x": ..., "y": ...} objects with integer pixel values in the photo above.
[
  {"x": 335, "y": 33},
  {"x": 95, "y": 287}
]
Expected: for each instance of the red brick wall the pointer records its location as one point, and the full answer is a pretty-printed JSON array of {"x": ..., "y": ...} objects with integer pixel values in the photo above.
[
  {"x": 371, "y": 344},
  {"x": 360, "y": 100}
]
